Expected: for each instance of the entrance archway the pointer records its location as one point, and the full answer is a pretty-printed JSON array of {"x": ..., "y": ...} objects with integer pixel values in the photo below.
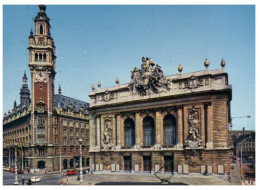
[{"x": 41, "y": 164}]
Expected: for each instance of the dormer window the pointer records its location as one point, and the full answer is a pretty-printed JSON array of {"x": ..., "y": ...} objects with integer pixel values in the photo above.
[{"x": 41, "y": 29}]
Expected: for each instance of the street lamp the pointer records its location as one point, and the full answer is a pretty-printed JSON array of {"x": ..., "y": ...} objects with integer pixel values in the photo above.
[
  {"x": 80, "y": 161},
  {"x": 15, "y": 165}
]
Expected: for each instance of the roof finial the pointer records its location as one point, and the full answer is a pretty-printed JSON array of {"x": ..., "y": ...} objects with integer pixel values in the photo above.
[
  {"x": 180, "y": 68},
  {"x": 59, "y": 90},
  {"x": 99, "y": 84},
  {"x": 222, "y": 63},
  {"x": 206, "y": 63},
  {"x": 42, "y": 8},
  {"x": 117, "y": 81},
  {"x": 93, "y": 87},
  {"x": 25, "y": 78}
]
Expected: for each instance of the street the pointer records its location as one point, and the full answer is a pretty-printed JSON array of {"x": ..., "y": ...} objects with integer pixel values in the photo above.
[{"x": 49, "y": 179}]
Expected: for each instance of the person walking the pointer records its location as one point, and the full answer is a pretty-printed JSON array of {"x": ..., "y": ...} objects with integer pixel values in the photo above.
[
  {"x": 22, "y": 180},
  {"x": 67, "y": 180}
]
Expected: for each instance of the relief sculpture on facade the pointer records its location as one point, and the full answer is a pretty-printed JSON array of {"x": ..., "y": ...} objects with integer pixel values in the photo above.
[
  {"x": 107, "y": 96},
  {"x": 193, "y": 82},
  {"x": 148, "y": 80},
  {"x": 193, "y": 140},
  {"x": 107, "y": 137}
]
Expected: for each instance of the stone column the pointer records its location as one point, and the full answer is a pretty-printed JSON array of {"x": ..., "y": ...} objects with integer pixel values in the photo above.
[
  {"x": 98, "y": 137},
  {"x": 9, "y": 161},
  {"x": 114, "y": 130},
  {"x": 119, "y": 130},
  {"x": 139, "y": 132},
  {"x": 209, "y": 140},
  {"x": 202, "y": 122},
  {"x": 158, "y": 127},
  {"x": 142, "y": 164},
  {"x": 180, "y": 127}
]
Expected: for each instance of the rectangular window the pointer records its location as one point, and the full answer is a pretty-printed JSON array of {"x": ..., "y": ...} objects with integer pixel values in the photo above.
[
  {"x": 82, "y": 125},
  {"x": 64, "y": 141},
  {"x": 71, "y": 141},
  {"x": 64, "y": 132},
  {"x": 71, "y": 133},
  {"x": 41, "y": 120},
  {"x": 71, "y": 124},
  {"x": 55, "y": 131},
  {"x": 77, "y": 124},
  {"x": 64, "y": 123}
]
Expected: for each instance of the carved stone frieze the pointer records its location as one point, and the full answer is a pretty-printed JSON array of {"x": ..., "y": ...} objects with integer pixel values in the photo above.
[
  {"x": 127, "y": 114},
  {"x": 148, "y": 80}
]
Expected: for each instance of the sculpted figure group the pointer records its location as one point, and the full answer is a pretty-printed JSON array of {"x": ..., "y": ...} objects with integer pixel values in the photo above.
[{"x": 148, "y": 79}]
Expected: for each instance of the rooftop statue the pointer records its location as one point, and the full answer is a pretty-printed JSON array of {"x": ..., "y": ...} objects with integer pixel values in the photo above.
[{"x": 148, "y": 80}]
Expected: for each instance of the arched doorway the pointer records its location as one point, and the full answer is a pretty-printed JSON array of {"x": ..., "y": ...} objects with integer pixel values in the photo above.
[
  {"x": 41, "y": 164},
  {"x": 65, "y": 164}
]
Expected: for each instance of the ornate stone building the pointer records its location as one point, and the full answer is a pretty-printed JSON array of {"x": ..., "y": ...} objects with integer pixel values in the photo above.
[
  {"x": 175, "y": 123},
  {"x": 45, "y": 127}
]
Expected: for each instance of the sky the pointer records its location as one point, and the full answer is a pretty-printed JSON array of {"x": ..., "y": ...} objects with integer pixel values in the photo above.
[{"x": 101, "y": 42}]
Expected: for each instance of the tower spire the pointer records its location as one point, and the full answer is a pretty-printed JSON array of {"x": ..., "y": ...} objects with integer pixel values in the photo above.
[{"x": 24, "y": 92}]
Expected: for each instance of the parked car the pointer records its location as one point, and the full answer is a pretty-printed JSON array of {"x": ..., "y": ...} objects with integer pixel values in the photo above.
[
  {"x": 71, "y": 172},
  {"x": 12, "y": 170},
  {"x": 35, "y": 179}
]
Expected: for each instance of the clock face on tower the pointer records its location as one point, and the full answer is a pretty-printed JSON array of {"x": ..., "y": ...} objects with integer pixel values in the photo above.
[{"x": 40, "y": 75}]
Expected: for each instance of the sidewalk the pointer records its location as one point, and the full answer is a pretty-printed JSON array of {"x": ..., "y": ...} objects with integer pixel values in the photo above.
[{"x": 132, "y": 179}]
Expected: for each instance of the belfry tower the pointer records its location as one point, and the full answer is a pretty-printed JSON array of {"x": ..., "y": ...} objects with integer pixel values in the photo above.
[{"x": 42, "y": 67}]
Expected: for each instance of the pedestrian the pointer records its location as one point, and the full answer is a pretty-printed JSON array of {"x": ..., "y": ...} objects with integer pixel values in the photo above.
[
  {"x": 61, "y": 181},
  {"x": 67, "y": 180},
  {"x": 78, "y": 178},
  {"x": 229, "y": 179},
  {"x": 29, "y": 182},
  {"x": 22, "y": 180}
]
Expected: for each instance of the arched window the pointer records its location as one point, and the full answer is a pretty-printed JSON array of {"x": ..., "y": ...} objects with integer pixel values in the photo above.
[
  {"x": 44, "y": 57},
  {"x": 36, "y": 57},
  {"x": 40, "y": 57},
  {"x": 148, "y": 131},
  {"x": 41, "y": 29},
  {"x": 169, "y": 128},
  {"x": 129, "y": 128}
]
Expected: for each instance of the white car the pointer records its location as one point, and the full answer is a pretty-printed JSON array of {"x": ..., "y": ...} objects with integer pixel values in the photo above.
[{"x": 35, "y": 179}]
